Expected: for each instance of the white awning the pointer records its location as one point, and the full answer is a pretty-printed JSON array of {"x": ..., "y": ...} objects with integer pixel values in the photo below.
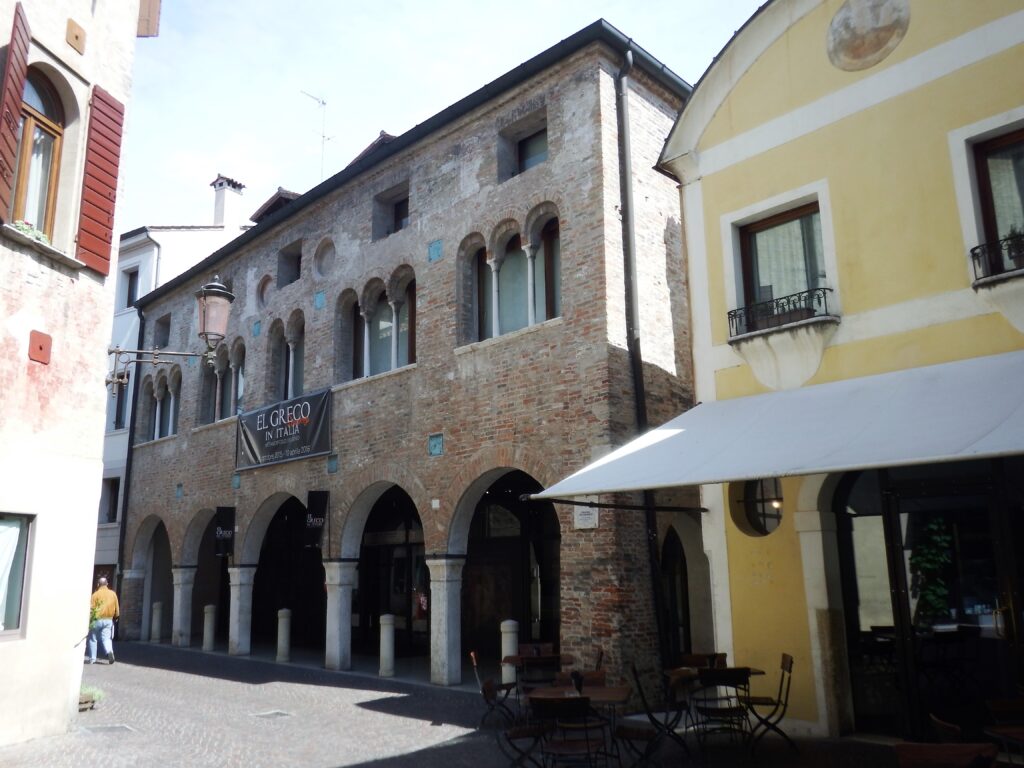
[{"x": 969, "y": 409}]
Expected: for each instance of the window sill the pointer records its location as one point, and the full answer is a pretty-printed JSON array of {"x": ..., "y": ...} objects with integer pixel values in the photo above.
[
  {"x": 478, "y": 345},
  {"x": 1002, "y": 277},
  {"x": 214, "y": 424},
  {"x": 108, "y": 526},
  {"x": 39, "y": 247},
  {"x": 375, "y": 377},
  {"x": 164, "y": 439}
]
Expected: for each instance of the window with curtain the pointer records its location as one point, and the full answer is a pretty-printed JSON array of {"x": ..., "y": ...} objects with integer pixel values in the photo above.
[
  {"x": 999, "y": 164},
  {"x": 407, "y": 327},
  {"x": 13, "y": 554},
  {"x": 40, "y": 130},
  {"x": 547, "y": 275},
  {"x": 782, "y": 255},
  {"x": 239, "y": 381},
  {"x": 513, "y": 307}
]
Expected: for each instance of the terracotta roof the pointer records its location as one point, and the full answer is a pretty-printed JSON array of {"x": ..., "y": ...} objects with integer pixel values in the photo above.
[{"x": 274, "y": 203}]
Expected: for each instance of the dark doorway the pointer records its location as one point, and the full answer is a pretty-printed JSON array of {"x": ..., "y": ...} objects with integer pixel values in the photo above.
[
  {"x": 512, "y": 568},
  {"x": 393, "y": 578},
  {"x": 212, "y": 586},
  {"x": 676, "y": 593},
  {"x": 932, "y": 584},
  {"x": 159, "y": 587},
  {"x": 290, "y": 575}
]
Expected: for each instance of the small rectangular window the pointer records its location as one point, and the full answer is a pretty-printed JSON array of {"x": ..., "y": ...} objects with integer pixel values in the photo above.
[
  {"x": 14, "y": 530},
  {"x": 131, "y": 287},
  {"x": 400, "y": 214},
  {"x": 289, "y": 264},
  {"x": 390, "y": 211},
  {"x": 109, "y": 500},
  {"x": 533, "y": 150},
  {"x": 162, "y": 332}
]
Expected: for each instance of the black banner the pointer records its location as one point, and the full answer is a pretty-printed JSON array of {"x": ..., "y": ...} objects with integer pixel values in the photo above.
[
  {"x": 289, "y": 430},
  {"x": 317, "y": 509},
  {"x": 224, "y": 532}
]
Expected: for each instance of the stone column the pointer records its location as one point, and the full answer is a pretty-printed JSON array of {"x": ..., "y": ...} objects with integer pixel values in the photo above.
[
  {"x": 495, "y": 299},
  {"x": 341, "y": 581},
  {"x": 396, "y": 308},
  {"x": 446, "y": 618},
  {"x": 240, "y": 622},
  {"x": 181, "y": 630},
  {"x": 133, "y": 582},
  {"x": 291, "y": 371},
  {"x": 531, "y": 286},
  {"x": 158, "y": 417},
  {"x": 366, "y": 343},
  {"x": 216, "y": 395},
  {"x": 234, "y": 389}
]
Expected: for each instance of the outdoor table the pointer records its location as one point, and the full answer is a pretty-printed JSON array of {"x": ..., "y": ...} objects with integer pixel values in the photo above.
[
  {"x": 565, "y": 659},
  {"x": 607, "y": 697},
  {"x": 1008, "y": 736},
  {"x": 682, "y": 676}
]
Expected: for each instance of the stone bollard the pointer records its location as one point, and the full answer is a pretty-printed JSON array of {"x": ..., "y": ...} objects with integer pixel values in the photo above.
[
  {"x": 209, "y": 625},
  {"x": 509, "y": 647},
  {"x": 284, "y": 634},
  {"x": 387, "y": 645},
  {"x": 156, "y": 622}
]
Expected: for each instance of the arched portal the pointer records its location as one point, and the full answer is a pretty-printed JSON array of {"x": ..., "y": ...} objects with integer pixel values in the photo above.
[
  {"x": 212, "y": 585},
  {"x": 393, "y": 577},
  {"x": 290, "y": 574},
  {"x": 676, "y": 591},
  {"x": 153, "y": 557},
  {"x": 512, "y": 567}
]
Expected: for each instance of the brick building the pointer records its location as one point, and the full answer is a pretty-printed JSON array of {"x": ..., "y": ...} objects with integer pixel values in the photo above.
[
  {"x": 66, "y": 78},
  {"x": 458, "y": 296}
]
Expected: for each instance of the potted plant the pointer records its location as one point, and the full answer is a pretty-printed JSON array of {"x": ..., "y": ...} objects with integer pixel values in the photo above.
[{"x": 1014, "y": 244}]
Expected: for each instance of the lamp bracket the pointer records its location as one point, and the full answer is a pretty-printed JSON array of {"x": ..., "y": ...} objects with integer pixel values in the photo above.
[{"x": 126, "y": 357}]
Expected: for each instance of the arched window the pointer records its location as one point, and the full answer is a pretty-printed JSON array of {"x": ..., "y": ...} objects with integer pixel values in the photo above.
[
  {"x": 380, "y": 326},
  {"x": 547, "y": 274},
  {"x": 407, "y": 327},
  {"x": 358, "y": 333},
  {"x": 484, "y": 295},
  {"x": 40, "y": 130},
  {"x": 513, "y": 306},
  {"x": 237, "y": 379}
]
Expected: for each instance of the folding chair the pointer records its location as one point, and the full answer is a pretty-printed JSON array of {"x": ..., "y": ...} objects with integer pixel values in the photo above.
[
  {"x": 663, "y": 724},
  {"x": 495, "y": 696},
  {"x": 717, "y": 706},
  {"x": 573, "y": 733},
  {"x": 777, "y": 705}
]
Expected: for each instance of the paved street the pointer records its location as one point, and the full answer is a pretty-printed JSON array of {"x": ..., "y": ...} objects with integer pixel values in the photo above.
[
  {"x": 168, "y": 707},
  {"x": 165, "y": 706}
]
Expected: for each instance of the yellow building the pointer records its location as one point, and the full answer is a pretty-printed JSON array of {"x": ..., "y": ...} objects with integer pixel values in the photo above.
[{"x": 852, "y": 188}]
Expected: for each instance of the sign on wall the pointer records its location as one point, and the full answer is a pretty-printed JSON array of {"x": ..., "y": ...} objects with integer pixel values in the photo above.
[
  {"x": 224, "y": 532},
  {"x": 289, "y": 430}
]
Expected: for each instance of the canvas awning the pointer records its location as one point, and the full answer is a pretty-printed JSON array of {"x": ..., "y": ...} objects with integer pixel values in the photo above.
[{"x": 969, "y": 409}]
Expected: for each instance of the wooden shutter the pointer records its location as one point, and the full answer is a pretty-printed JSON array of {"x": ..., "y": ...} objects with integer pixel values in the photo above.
[
  {"x": 99, "y": 187},
  {"x": 15, "y": 72}
]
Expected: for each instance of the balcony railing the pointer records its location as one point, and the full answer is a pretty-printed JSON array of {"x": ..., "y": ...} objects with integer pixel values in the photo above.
[
  {"x": 781, "y": 311},
  {"x": 1001, "y": 256}
]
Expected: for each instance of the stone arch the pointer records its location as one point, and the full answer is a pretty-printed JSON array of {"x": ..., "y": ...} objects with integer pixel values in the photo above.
[
  {"x": 275, "y": 352},
  {"x": 466, "y": 287},
  {"x": 478, "y": 474},
  {"x": 189, "y": 555},
  {"x": 500, "y": 237},
  {"x": 400, "y": 280},
  {"x": 372, "y": 293},
  {"x": 256, "y": 528},
  {"x": 538, "y": 216},
  {"x": 345, "y": 328},
  {"x": 142, "y": 539},
  {"x": 238, "y": 351},
  {"x": 296, "y": 326},
  {"x": 373, "y": 482},
  {"x": 144, "y": 428}
]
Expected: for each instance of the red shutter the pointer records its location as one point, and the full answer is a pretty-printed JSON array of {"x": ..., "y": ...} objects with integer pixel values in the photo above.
[
  {"x": 15, "y": 71},
  {"x": 99, "y": 188}
]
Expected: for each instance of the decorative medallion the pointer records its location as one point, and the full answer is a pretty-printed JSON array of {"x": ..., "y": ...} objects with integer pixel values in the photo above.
[{"x": 864, "y": 32}]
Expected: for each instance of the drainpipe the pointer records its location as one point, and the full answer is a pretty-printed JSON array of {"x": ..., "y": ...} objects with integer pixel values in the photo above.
[
  {"x": 129, "y": 458},
  {"x": 633, "y": 335}
]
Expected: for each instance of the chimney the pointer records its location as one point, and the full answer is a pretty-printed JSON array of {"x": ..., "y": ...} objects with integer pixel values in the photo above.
[{"x": 227, "y": 202}]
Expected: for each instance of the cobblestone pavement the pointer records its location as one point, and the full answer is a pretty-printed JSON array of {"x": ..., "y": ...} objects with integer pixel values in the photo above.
[{"x": 166, "y": 706}]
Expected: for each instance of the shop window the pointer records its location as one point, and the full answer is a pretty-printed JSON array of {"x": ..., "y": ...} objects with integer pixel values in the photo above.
[
  {"x": 999, "y": 164},
  {"x": 783, "y": 271},
  {"x": 14, "y": 534}
]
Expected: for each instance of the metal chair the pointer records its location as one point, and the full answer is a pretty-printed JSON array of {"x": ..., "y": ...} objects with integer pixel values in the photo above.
[
  {"x": 573, "y": 733},
  {"x": 495, "y": 696},
  {"x": 776, "y": 706},
  {"x": 717, "y": 705},
  {"x": 663, "y": 724}
]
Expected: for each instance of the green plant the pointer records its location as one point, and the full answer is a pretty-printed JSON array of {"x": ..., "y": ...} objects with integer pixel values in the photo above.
[
  {"x": 928, "y": 563},
  {"x": 94, "y": 611},
  {"x": 92, "y": 692},
  {"x": 27, "y": 228}
]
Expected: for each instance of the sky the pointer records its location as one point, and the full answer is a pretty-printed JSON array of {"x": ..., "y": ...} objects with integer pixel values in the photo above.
[{"x": 235, "y": 88}]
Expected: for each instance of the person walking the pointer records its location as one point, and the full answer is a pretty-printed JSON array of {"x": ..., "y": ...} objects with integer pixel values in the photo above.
[{"x": 101, "y": 621}]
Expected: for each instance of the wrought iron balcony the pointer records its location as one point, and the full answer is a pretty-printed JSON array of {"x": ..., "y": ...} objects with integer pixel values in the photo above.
[
  {"x": 781, "y": 311},
  {"x": 1001, "y": 256}
]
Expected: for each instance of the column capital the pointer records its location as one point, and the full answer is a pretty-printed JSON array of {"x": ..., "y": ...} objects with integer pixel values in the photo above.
[
  {"x": 529, "y": 249},
  {"x": 341, "y": 573},
  {"x": 242, "y": 574},
  {"x": 133, "y": 573},
  {"x": 184, "y": 575},
  {"x": 445, "y": 567}
]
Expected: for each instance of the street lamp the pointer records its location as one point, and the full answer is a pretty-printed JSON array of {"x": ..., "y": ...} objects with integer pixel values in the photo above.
[{"x": 214, "y": 301}]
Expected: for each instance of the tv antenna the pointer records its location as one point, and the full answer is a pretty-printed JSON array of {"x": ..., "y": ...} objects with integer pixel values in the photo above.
[{"x": 324, "y": 138}]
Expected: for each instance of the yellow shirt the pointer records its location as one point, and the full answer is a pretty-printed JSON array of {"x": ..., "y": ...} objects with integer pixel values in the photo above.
[{"x": 105, "y": 602}]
